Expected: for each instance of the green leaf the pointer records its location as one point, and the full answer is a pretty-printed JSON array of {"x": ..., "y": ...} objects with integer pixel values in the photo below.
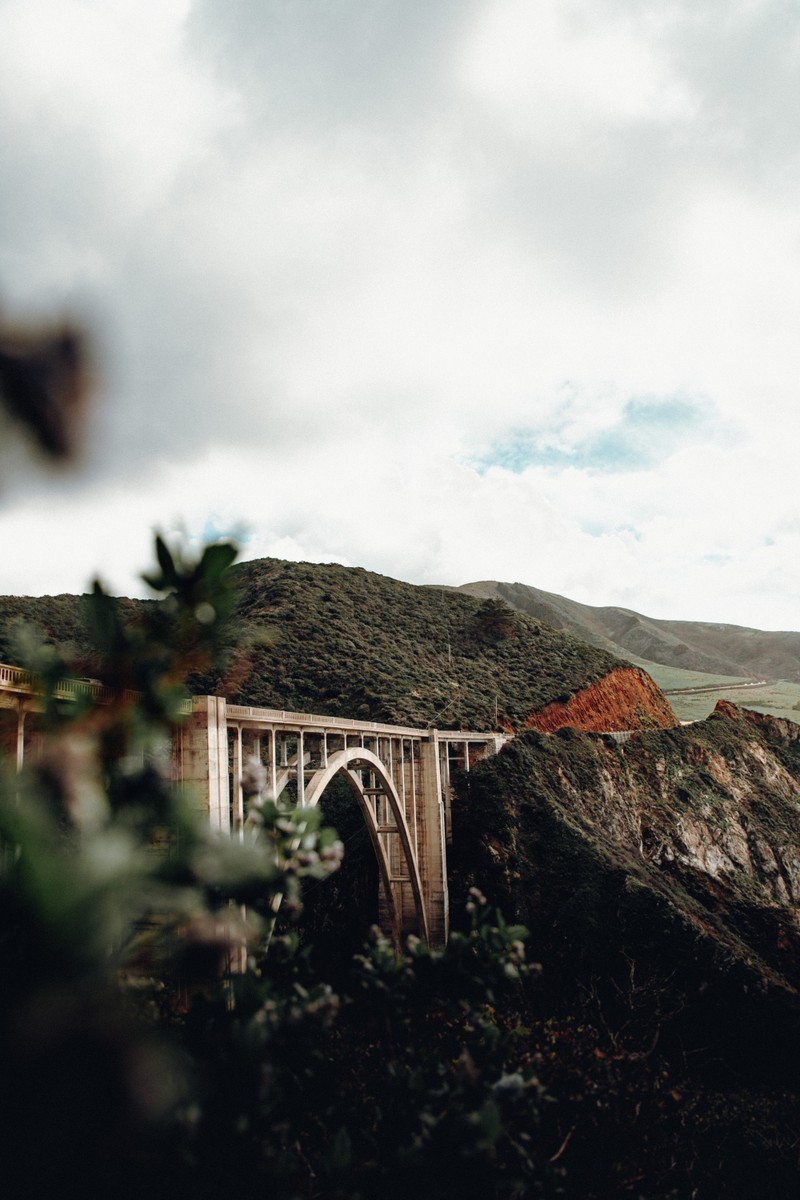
[
  {"x": 103, "y": 619},
  {"x": 217, "y": 558},
  {"x": 165, "y": 560},
  {"x": 340, "y": 1153}
]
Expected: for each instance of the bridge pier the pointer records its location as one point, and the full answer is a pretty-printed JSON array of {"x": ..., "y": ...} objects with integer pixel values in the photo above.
[
  {"x": 202, "y": 753},
  {"x": 432, "y": 845}
]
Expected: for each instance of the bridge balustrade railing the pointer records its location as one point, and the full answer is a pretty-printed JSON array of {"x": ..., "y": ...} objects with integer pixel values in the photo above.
[
  {"x": 288, "y": 717},
  {"x": 17, "y": 679}
]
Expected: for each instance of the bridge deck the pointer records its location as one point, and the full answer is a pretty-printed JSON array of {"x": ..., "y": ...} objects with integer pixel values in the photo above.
[{"x": 290, "y": 720}]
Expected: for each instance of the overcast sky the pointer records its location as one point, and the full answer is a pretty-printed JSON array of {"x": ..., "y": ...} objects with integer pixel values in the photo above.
[{"x": 447, "y": 289}]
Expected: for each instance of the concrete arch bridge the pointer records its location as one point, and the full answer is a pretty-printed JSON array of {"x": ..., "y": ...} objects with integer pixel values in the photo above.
[{"x": 400, "y": 777}]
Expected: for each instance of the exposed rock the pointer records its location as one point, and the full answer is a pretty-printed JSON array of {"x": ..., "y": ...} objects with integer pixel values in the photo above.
[
  {"x": 700, "y": 823},
  {"x": 658, "y": 877},
  {"x": 626, "y": 698}
]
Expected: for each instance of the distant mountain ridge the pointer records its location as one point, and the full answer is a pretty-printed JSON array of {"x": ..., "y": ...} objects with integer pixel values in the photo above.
[{"x": 716, "y": 649}]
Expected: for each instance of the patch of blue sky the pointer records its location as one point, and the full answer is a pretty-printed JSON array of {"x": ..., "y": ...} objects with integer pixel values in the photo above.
[
  {"x": 648, "y": 431},
  {"x": 599, "y": 529},
  {"x": 217, "y": 530}
]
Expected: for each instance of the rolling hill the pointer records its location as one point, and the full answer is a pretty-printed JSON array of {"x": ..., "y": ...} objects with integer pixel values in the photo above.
[
  {"x": 341, "y": 640},
  {"x": 685, "y": 658},
  {"x": 715, "y": 649}
]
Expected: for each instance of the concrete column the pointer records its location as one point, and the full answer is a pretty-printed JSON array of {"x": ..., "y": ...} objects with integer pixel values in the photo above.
[
  {"x": 273, "y": 765},
  {"x": 237, "y": 796},
  {"x": 401, "y": 745},
  {"x": 301, "y": 774},
  {"x": 412, "y": 745},
  {"x": 432, "y": 853},
  {"x": 204, "y": 758},
  {"x": 447, "y": 791},
  {"x": 20, "y": 735}
]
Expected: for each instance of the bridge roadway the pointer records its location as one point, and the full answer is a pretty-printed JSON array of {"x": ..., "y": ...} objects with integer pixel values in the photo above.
[{"x": 400, "y": 777}]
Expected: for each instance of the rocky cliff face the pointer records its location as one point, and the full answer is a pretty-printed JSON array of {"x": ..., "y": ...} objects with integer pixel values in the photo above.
[
  {"x": 685, "y": 841},
  {"x": 660, "y": 880},
  {"x": 626, "y": 698},
  {"x": 717, "y": 804}
]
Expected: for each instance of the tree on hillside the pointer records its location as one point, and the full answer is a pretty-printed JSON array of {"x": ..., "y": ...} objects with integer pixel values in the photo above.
[{"x": 495, "y": 621}]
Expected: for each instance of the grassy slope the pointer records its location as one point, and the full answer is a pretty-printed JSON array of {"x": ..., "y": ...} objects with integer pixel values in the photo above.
[
  {"x": 57, "y": 621},
  {"x": 676, "y": 654},
  {"x": 337, "y": 639},
  {"x": 340, "y": 640}
]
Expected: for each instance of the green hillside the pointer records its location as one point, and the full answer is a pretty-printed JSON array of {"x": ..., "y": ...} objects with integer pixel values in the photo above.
[
  {"x": 327, "y": 638},
  {"x": 705, "y": 646},
  {"x": 345, "y": 641},
  {"x": 685, "y": 658},
  {"x": 58, "y": 621}
]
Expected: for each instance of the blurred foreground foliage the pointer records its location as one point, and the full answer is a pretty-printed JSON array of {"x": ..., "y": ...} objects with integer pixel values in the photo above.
[
  {"x": 161, "y": 1035},
  {"x": 148, "y": 1042}
]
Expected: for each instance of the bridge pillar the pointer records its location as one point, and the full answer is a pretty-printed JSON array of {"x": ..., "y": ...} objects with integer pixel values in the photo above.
[
  {"x": 204, "y": 759},
  {"x": 432, "y": 849},
  {"x": 20, "y": 735}
]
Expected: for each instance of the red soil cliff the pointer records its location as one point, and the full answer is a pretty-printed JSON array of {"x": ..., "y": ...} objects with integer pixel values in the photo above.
[{"x": 627, "y": 698}]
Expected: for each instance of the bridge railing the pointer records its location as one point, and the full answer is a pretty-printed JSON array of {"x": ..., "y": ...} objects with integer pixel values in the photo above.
[
  {"x": 14, "y": 679},
  {"x": 17, "y": 679},
  {"x": 282, "y": 716}
]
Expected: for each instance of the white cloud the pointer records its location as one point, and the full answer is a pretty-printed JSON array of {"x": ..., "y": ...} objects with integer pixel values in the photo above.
[
  {"x": 337, "y": 258},
  {"x": 552, "y": 71}
]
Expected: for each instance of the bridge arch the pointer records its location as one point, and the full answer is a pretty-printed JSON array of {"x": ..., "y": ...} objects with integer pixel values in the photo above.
[
  {"x": 349, "y": 762},
  {"x": 419, "y": 759}
]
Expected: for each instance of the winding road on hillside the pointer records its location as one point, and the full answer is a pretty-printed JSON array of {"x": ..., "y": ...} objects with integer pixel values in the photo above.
[{"x": 730, "y": 687}]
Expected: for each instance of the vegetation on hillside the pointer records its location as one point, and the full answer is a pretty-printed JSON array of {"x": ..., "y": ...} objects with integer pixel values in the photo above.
[
  {"x": 344, "y": 641},
  {"x": 677, "y": 654},
  {"x": 332, "y": 639}
]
